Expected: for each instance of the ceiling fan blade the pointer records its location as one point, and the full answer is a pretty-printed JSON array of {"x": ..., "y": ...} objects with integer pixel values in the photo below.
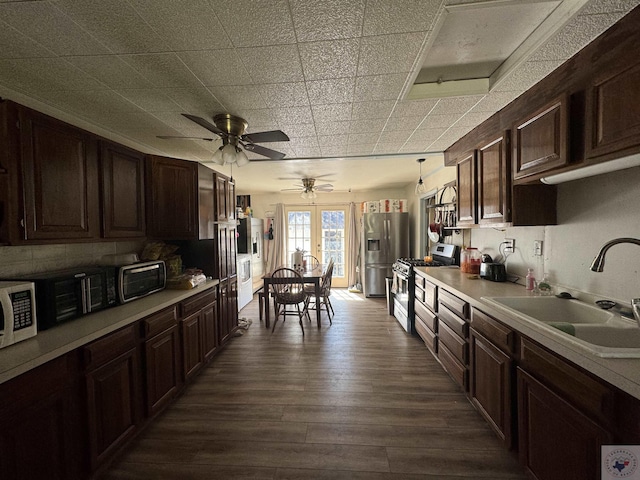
[
  {"x": 292, "y": 190},
  {"x": 208, "y": 125},
  {"x": 169, "y": 137},
  {"x": 324, "y": 185},
  {"x": 264, "y": 137},
  {"x": 267, "y": 152}
]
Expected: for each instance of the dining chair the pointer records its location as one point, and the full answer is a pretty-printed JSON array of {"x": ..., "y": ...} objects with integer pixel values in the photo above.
[
  {"x": 310, "y": 262},
  {"x": 325, "y": 292},
  {"x": 288, "y": 290}
]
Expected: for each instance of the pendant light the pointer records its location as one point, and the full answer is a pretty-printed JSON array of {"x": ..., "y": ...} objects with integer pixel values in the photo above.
[{"x": 420, "y": 186}]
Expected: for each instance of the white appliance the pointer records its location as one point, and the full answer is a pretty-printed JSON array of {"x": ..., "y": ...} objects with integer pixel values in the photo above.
[
  {"x": 17, "y": 312},
  {"x": 245, "y": 279},
  {"x": 257, "y": 256}
]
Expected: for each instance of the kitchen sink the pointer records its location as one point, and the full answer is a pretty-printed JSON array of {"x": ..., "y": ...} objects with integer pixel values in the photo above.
[
  {"x": 554, "y": 309},
  {"x": 603, "y": 333}
]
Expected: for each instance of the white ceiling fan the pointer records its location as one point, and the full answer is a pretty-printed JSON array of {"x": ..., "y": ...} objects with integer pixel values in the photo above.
[{"x": 309, "y": 189}]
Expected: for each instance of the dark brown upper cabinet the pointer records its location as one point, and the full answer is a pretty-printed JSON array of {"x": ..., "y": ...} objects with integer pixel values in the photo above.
[
  {"x": 467, "y": 188},
  {"x": 541, "y": 139},
  {"x": 172, "y": 190},
  {"x": 613, "y": 114},
  {"x": 494, "y": 181},
  {"x": 59, "y": 178},
  {"x": 123, "y": 214}
]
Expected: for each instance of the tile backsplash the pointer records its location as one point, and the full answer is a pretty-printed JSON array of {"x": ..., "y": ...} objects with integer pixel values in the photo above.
[{"x": 23, "y": 260}]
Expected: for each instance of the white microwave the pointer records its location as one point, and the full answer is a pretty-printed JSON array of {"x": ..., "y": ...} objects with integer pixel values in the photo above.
[{"x": 17, "y": 312}]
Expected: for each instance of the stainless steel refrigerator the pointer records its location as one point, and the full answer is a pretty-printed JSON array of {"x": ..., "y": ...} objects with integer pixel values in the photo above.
[{"x": 385, "y": 238}]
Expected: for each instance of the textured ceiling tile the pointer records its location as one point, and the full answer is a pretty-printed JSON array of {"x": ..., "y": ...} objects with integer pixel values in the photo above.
[
  {"x": 234, "y": 98},
  {"x": 329, "y": 59},
  {"x": 383, "y": 16},
  {"x": 363, "y": 138},
  {"x": 308, "y": 152},
  {"x": 385, "y": 54},
  {"x": 606, "y": 6},
  {"x": 15, "y": 45},
  {"x": 272, "y": 64},
  {"x": 44, "y": 75},
  {"x": 427, "y": 135},
  {"x": 216, "y": 67},
  {"x": 298, "y": 130},
  {"x": 410, "y": 147},
  {"x": 472, "y": 119},
  {"x": 197, "y": 101},
  {"x": 303, "y": 142},
  {"x": 365, "y": 110},
  {"x": 293, "y": 115},
  {"x": 327, "y": 20},
  {"x": 48, "y": 26},
  {"x": 574, "y": 36},
  {"x": 331, "y": 112},
  {"x": 284, "y": 94},
  {"x": 150, "y": 100},
  {"x": 387, "y": 147},
  {"x": 334, "y": 150},
  {"x": 373, "y": 125},
  {"x": 360, "y": 149},
  {"x": 162, "y": 70},
  {"x": 456, "y": 104},
  {"x": 527, "y": 75},
  {"x": 332, "y": 128},
  {"x": 85, "y": 103},
  {"x": 379, "y": 87},
  {"x": 110, "y": 70},
  {"x": 403, "y": 124},
  {"x": 258, "y": 120},
  {"x": 251, "y": 23},
  {"x": 339, "y": 90},
  {"x": 115, "y": 24},
  {"x": 337, "y": 140},
  {"x": 413, "y": 108},
  {"x": 494, "y": 101},
  {"x": 184, "y": 24},
  {"x": 438, "y": 121}
]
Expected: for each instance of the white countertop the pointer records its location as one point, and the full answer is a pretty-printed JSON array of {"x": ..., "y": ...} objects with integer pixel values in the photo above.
[
  {"x": 54, "y": 342},
  {"x": 623, "y": 373}
]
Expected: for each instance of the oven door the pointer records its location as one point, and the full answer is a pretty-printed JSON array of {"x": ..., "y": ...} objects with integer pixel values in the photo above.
[{"x": 401, "y": 301}]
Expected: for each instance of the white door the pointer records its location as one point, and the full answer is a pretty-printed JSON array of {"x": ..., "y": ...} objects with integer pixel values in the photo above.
[{"x": 321, "y": 232}]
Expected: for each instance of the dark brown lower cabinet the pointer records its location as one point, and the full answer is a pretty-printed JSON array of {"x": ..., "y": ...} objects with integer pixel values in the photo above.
[
  {"x": 41, "y": 424},
  {"x": 490, "y": 385},
  {"x": 114, "y": 397},
  {"x": 556, "y": 440},
  {"x": 193, "y": 357},
  {"x": 209, "y": 329},
  {"x": 162, "y": 357}
]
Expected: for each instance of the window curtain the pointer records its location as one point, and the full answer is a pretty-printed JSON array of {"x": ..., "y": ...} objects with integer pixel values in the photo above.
[
  {"x": 278, "y": 245},
  {"x": 353, "y": 279}
]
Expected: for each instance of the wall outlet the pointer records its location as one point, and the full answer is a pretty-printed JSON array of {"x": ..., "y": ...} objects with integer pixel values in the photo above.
[
  {"x": 537, "y": 248},
  {"x": 509, "y": 245}
]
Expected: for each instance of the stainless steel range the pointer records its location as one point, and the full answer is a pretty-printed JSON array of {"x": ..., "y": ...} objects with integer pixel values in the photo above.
[{"x": 442, "y": 254}]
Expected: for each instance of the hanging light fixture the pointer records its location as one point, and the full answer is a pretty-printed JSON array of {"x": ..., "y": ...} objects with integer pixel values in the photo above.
[{"x": 420, "y": 186}]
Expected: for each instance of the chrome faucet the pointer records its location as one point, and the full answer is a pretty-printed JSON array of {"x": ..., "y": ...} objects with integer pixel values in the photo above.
[{"x": 598, "y": 266}]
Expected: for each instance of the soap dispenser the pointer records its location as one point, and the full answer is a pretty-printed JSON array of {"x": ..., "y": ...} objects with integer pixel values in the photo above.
[{"x": 530, "y": 280}]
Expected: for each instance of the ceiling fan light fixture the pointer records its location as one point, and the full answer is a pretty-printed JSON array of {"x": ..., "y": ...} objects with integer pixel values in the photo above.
[
  {"x": 241, "y": 158},
  {"x": 217, "y": 157},
  {"x": 420, "y": 186},
  {"x": 229, "y": 154}
]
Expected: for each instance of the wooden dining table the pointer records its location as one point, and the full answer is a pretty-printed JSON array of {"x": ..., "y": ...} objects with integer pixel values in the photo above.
[{"x": 311, "y": 276}]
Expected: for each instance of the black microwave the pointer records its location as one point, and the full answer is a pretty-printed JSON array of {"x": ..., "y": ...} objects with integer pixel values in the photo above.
[
  {"x": 139, "y": 279},
  {"x": 68, "y": 294}
]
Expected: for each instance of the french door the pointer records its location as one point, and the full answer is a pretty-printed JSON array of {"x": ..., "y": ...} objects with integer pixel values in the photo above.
[{"x": 321, "y": 232}]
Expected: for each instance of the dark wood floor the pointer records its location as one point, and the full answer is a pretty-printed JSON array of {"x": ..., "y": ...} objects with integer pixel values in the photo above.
[{"x": 360, "y": 399}]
